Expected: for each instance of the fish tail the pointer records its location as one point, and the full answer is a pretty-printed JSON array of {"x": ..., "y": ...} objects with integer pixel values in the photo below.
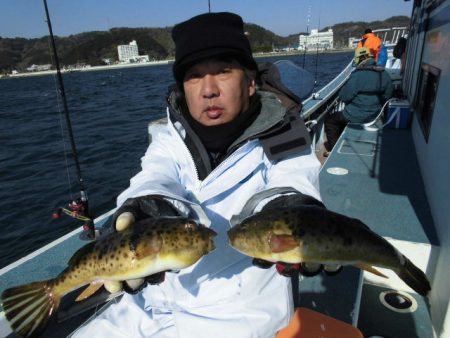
[
  {"x": 29, "y": 307},
  {"x": 414, "y": 277}
]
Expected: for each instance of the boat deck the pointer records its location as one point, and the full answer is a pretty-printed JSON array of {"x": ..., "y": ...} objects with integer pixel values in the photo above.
[
  {"x": 383, "y": 186},
  {"x": 375, "y": 177}
]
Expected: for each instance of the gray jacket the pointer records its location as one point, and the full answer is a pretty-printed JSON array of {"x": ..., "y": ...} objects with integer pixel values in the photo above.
[{"x": 365, "y": 92}]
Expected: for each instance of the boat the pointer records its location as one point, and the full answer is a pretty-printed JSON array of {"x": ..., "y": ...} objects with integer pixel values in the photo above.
[
  {"x": 391, "y": 176},
  {"x": 393, "y": 179}
]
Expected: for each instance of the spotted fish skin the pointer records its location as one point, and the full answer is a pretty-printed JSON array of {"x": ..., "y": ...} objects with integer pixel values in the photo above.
[
  {"x": 316, "y": 235},
  {"x": 147, "y": 247}
]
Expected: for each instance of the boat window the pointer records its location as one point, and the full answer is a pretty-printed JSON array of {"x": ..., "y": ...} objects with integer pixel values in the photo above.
[{"x": 424, "y": 105}]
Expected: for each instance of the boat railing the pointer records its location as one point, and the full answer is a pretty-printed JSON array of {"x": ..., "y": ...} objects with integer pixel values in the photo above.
[
  {"x": 390, "y": 36},
  {"x": 321, "y": 103},
  {"x": 326, "y": 94}
]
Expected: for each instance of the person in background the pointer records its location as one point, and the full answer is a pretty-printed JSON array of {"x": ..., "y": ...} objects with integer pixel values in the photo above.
[
  {"x": 372, "y": 42},
  {"x": 382, "y": 56},
  {"x": 209, "y": 164},
  {"x": 367, "y": 89},
  {"x": 399, "y": 52}
]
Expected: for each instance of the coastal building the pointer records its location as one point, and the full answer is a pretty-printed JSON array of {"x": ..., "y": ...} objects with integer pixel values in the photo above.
[
  {"x": 316, "y": 40},
  {"x": 353, "y": 42},
  {"x": 130, "y": 53},
  {"x": 39, "y": 68}
]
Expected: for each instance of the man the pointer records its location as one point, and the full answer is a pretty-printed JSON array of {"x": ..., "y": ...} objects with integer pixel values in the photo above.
[
  {"x": 210, "y": 163},
  {"x": 364, "y": 94},
  {"x": 399, "y": 52},
  {"x": 372, "y": 42}
]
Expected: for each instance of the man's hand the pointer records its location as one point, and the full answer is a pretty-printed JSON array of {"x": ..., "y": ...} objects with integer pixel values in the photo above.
[
  {"x": 134, "y": 286},
  {"x": 133, "y": 210},
  {"x": 139, "y": 208},
  {"x": 124, "y": 220},
  {"x": 306, "y": 269}
]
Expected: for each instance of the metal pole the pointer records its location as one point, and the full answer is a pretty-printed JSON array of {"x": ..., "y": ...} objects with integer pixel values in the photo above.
[{"x": 306, "y": 37}]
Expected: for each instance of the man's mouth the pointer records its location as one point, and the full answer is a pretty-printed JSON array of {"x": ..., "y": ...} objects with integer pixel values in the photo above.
[{"x": 213, "y": 112}]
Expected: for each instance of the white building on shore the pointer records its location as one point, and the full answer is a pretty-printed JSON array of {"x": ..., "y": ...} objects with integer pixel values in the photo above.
[
  {"x": 39, "y": 68},
  {"x": 353, "y": 42},
  {"x": 130, "y": 53},
  {"x": 316, "y": 40}
]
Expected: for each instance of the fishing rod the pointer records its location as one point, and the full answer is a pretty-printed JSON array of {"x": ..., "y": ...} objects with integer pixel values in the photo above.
[
  {"x": 79, "y": 208},
  {"x": 315, "y": 95},
  {"x": 306, "y": 37}
]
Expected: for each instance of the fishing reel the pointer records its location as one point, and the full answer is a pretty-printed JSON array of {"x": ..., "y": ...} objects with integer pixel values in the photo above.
[{"x": 78, "y": 209}]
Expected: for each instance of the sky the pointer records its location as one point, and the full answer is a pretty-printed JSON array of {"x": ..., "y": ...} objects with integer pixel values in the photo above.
[{"x": 26, "y": 18}]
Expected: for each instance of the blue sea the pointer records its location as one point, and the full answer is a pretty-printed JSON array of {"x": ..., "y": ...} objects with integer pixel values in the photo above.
[{"x": 110, "y": 111}]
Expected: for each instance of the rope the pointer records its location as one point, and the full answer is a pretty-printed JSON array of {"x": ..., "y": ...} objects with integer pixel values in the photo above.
[
  {"x": 311, "y": 123},
  {"x": 367, "y": 126}
]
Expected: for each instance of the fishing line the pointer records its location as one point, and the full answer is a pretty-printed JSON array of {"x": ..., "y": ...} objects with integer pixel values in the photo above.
[{"x": 61, "y": 125}]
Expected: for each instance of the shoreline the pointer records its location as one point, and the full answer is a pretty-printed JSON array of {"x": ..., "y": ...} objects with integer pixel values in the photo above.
[
  {"x": 157, "y": 63},
  {"x": 88, "y": 69}
]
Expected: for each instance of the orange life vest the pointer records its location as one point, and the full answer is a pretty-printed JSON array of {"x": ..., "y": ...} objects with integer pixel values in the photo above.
[{"x": 371, "y": 41}]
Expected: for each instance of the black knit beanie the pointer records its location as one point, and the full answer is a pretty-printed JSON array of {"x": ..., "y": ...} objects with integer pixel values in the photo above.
[{"x": 210, "y": 35}]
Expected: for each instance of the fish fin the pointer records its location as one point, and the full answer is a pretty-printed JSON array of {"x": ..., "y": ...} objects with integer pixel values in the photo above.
[
  {"x": 149, "y": 248},
  {"x": 282, "y": 243},
  {"x": 414, "y": 277},
  {"x": 369, "y": 268},
  {"x": 89, "y": 291},
  {"x": 29, "y": 307}
]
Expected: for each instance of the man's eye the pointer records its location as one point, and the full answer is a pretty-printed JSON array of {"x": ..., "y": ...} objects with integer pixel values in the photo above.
[{"x": 190, "y": 76}]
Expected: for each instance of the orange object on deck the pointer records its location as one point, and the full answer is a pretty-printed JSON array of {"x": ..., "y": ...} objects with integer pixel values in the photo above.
[{"x": 307, "y": 323}]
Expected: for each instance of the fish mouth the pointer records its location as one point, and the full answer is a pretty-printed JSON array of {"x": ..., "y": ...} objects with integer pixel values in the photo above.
[
  {"x": 209, "y": 232},
  {"x": 208, "y": 235},
  {"x": 211, "y": 246},
  {"x": 231, "y": 235}
]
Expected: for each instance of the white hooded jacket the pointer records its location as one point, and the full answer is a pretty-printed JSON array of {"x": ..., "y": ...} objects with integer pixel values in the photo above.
[{"x": 222, "y": 295}]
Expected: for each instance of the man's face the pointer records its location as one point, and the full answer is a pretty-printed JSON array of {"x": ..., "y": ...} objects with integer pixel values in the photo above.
[{"x": 217, "y": 91}]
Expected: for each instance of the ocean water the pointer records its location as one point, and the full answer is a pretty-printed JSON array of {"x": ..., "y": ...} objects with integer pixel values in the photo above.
[{"x": 110, "y": 111}]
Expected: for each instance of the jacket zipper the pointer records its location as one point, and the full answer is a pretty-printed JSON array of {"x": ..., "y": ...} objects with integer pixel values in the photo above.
[{"x": 213, "y": 174}]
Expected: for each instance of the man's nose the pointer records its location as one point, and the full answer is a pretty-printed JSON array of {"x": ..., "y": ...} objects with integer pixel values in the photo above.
[{"x": 209, "y": 86}]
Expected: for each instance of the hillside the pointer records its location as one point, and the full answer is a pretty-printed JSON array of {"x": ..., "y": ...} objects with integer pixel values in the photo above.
[
  {"x": 92, "y": 47},
  {"x": 343, "y": 31}
]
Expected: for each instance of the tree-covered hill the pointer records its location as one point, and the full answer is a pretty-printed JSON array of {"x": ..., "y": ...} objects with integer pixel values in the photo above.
[
  {"x": 343, "y": 31},
  {"x": 93, "y": 47}
]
